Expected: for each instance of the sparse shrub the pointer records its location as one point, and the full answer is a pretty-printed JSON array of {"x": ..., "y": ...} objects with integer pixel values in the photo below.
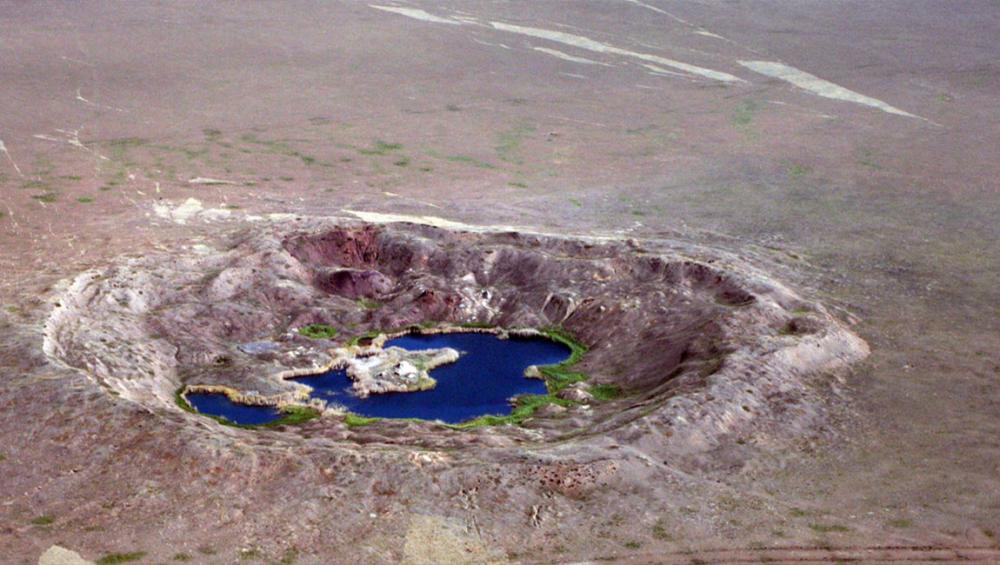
[
  {"x": 113, "y": 558},
  {"x": 318, "y": 331},
  {"x": 826, "y": 528},
  {"x": 901, "y": 523},
  {"x": 46, "y": 197},
  {"x": 605, "y": 391}
]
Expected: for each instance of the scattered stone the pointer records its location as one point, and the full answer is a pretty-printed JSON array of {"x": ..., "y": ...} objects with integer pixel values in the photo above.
[
  {"x": 259, "y": 347},
  {"x": 57, "y": 555}
]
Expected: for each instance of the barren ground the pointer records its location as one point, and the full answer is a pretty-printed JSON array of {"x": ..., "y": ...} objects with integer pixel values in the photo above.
[{"x": 877, "y": 199}]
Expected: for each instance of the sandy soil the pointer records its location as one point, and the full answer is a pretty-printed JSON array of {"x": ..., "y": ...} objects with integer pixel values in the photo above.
[{"x": 870, "y": 187}]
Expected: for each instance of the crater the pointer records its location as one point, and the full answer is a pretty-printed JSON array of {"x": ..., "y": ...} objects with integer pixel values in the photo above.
[{"x": 689, "y": 340}]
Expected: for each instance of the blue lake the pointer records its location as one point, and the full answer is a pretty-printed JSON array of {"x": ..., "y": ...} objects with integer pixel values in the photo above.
[
  {"x": 488, "y": 374},
  {"x": 220, "y": 405}
]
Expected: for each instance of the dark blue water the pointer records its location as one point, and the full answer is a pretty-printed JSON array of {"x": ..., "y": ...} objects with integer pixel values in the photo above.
[
  {"x": 215, "y": 404},
  {"x": 483, "y": 380}
]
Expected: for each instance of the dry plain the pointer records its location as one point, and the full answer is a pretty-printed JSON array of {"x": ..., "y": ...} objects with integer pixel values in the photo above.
[{"x": 846, "y": 150}]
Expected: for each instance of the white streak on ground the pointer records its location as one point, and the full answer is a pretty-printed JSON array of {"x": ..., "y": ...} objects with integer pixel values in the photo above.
[
  {"x": 416, "y": 14},
  {"x": 80, "y": 98},
  {"x": 567, "y": 57},
  {"x": 801, "y": 109},
  {"x": 659, "y": 11},
  {"x": 662, "y": 71},
  {"x": 435, "y": 221},
  {"x": 574, "y": 40},
  {"x": 3, "y": 148},
  {"x": 209, "y": 181},
  {"x": 77, "y": 61},
  {"x": 697, "y": 29},
  {"x": 582, "y": 42},
  {"x": 574, "y": 75},
  {"x": 707, "y": 33},
  {"x": 71, "y": 137},
  {"x": 481, "y": 42},
  {"x": 820, "y": 87}
]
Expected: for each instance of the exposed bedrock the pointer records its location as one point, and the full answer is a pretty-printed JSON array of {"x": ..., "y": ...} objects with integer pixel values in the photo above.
[{"x": 702, "y": 345}]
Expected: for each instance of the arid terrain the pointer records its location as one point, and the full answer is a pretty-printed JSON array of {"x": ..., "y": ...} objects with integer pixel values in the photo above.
[{"x": 774, "y": 223}]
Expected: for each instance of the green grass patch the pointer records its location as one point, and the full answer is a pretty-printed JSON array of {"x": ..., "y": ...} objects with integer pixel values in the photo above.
[
  {"x": 85, "y": 199},
  {"x": 518, "y": 184},
  {"x": 354, "y": 421},
  {"x": 797, "y": 171},
  {"x": 605, "y": 392},
  {"x": 744, "y": 113},
  {"x": 182, "y": 402},
  {"x": 370, "y": 334},
  {"x": 476, "y": 325},
  {"x": 524, "y": 406},
  {"x": 867, "y": 158},
  {"x": 182, "y": 557},
  {"x": 827, "y": 528},
  {"x": 380, "y": 147},
  {"x": 369, "y": 304},
  {"x": 71, "y": 177},
  {"x": 403, "y": 162},
  {"x": 901, "y": 523},
  {"x": 508, "y": 143},
  {"x": 43, "y": 520},
  {"x": 46, "y": 197},
  {"x": 112, "y": 558},
  {"x": 293, "y": 415},
  {"x": 127, "y": 142},
  {"x": 290, "y": 556},
  {"x": 465, "y": 159},
  {"x": 318, "y": 331},
  {"x": 660, "y": 531},
  {"x": 560, "y": 375}
]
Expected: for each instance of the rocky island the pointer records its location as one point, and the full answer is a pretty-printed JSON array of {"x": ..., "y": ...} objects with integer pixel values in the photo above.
[{"x": 393, "y": 369}]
